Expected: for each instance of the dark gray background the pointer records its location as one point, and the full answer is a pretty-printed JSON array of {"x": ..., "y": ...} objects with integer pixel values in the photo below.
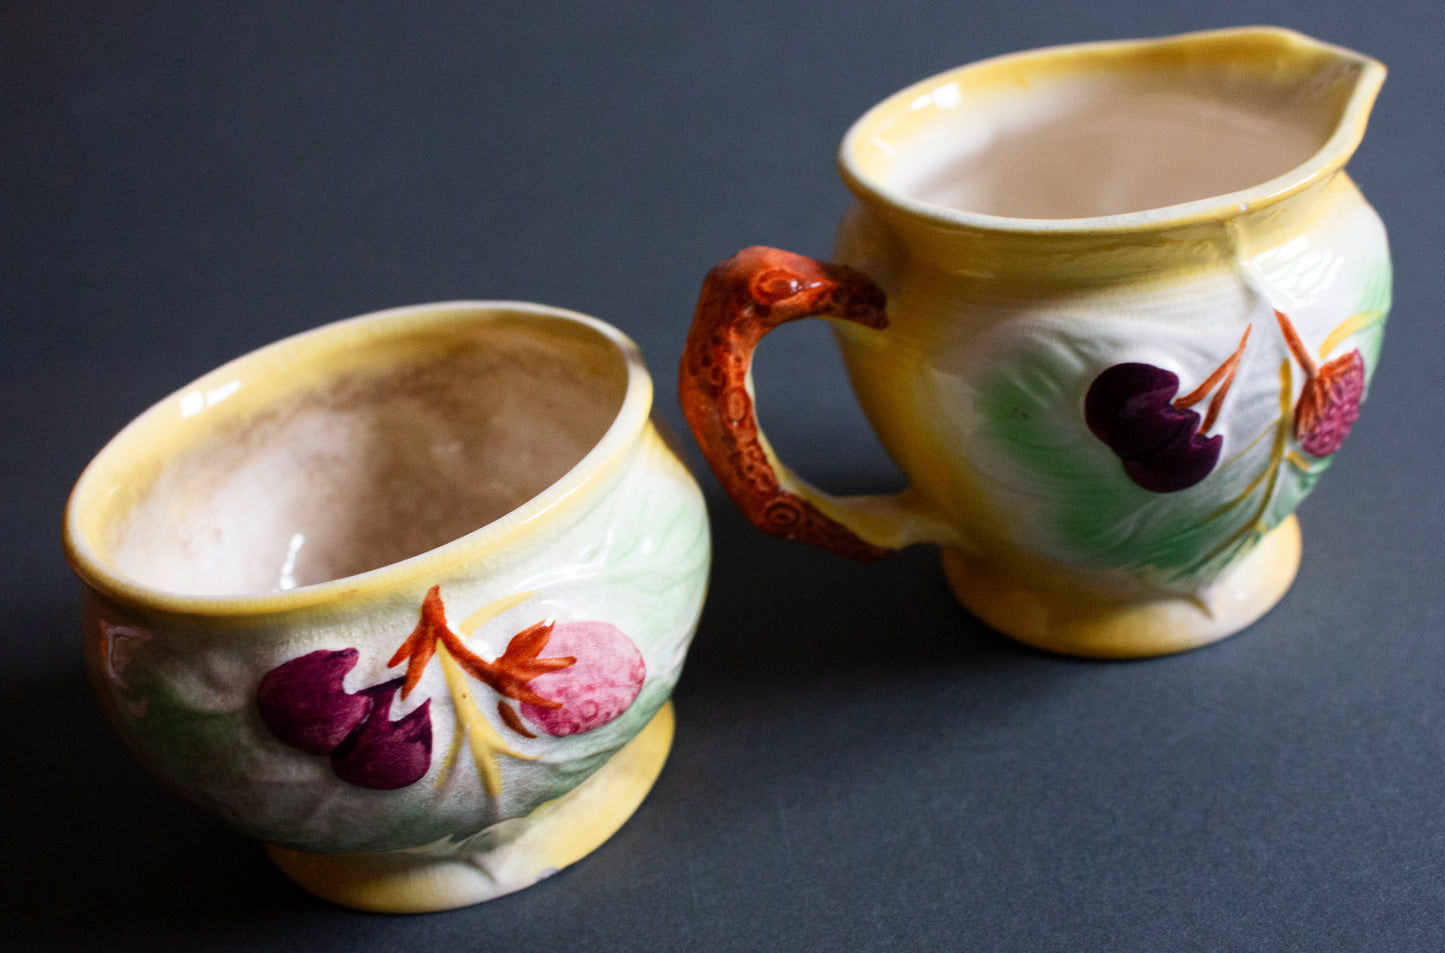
[{"x": 858, "y": 764}]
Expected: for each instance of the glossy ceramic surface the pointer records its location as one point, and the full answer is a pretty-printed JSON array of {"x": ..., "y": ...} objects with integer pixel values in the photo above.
[
  {"x": 1105, "y": 406},
  {"x": 390, "y": 591}
]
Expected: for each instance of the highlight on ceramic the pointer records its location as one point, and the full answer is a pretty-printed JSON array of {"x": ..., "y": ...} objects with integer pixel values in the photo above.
[
  {"x": 1112, "y": 308},
  {"x": 403, "y": 597}
]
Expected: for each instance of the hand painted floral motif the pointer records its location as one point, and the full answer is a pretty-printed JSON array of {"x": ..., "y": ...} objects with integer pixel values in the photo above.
[
  {"x": 1329, "y": 401},
  {"x": 1041, "y": 437},
  {"x": 602, "y": 684},
  {"x": 304, "y": 705},
  {"x": 385, "y": 754},
  {"x": 1161, "y": 441},
  {"x": 595, "y": 682}
]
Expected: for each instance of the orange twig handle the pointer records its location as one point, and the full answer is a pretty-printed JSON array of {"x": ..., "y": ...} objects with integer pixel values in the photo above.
[{"x": 743, "y": 299}]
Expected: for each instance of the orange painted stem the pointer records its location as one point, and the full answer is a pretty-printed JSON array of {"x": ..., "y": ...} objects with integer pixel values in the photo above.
[
  {"x": 1223, "y": 372},
  {"x": 508, "y": 675},
  {"x": 1297, "y": 347}
]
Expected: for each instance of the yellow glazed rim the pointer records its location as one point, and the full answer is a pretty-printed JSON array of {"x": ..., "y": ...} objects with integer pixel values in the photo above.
[
  {"x": 159, "y": 430},
  {"x": 1293, "y": 51}
]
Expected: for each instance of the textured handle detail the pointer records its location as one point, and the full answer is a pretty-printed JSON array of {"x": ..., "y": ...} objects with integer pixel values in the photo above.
[{"x": 743, "y": 299}]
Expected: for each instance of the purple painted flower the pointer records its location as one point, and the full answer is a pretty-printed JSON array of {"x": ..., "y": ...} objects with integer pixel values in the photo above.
[
  {"x": 304, "y": 704},
  {"x": 1130, "y": 407},
  {"x": 385, "y": 755}
]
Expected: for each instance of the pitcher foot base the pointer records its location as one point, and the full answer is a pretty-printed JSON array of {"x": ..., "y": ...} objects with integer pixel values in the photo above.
[
  {"x": 1074, "y": 623},
  {"x": 557, "y": 834}
]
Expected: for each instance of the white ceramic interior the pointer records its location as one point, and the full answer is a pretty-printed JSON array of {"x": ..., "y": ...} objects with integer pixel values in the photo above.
[
  {"x": 391, "y": 446},
  {"x": 1109, "y": 151},
  {"x": 1101, "y": 132}
]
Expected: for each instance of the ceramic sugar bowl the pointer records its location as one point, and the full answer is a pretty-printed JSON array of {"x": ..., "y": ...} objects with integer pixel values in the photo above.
[
  {"x": 403, "y": 597},
  {"x": 1112, "y": 308}
]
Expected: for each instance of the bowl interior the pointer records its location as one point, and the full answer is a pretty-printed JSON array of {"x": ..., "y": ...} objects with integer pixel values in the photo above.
[{"x": 339, "y": 454}]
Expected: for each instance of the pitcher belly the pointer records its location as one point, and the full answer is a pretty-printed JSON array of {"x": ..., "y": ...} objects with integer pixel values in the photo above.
[{"x": 1218, "y": 396}]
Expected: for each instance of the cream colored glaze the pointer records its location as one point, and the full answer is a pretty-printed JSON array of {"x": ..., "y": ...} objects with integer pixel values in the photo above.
[
  {"x": 382, "y": 463},
  {"x": 1106, "y": 150}
]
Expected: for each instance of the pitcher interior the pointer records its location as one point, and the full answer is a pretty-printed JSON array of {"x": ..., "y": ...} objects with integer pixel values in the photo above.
[
  {"x": 408, "y": 444},
  {"x": 1107, "y": 138}
]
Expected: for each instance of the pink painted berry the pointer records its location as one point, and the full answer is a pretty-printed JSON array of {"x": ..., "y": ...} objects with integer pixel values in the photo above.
[
  {"x": 1329, "y": 404},
  {"x": 599, "y": 686}
]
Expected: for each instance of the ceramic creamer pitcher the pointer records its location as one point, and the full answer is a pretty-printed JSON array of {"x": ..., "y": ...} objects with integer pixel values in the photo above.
[{"x": 1112, "y": 308}]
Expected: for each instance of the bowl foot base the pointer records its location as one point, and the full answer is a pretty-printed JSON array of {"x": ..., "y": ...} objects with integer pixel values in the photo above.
[
  {"x": 557, "y": 834},
  {"x": 1072, "y": 622}
]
